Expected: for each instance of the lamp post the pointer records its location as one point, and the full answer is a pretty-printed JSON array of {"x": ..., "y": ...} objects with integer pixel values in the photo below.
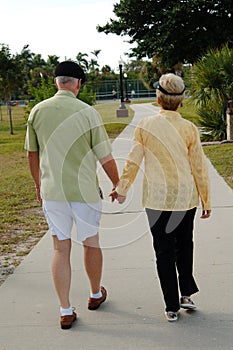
[
  {"x": 126, "y": 89},
  {"x": 122, "y": 111},
  {"x": 121, "y": 87}
]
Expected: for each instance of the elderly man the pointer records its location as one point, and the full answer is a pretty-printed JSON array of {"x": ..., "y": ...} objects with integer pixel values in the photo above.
[{"x": 65, "y": 138}]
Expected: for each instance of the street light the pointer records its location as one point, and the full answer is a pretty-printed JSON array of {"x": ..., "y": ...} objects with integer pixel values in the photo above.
[
  {"x": 122, "y": 111},
  {"x": 126, "y": 89}
]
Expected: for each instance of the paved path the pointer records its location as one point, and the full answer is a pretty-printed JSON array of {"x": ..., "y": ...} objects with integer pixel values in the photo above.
[{"x": 133, "y": 315}]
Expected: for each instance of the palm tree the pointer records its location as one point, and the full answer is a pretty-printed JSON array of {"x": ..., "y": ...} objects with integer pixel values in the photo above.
[
  {"x": 96, "y": 53},
  {"x": 11, "y": 68},
  {"x": 212, "y": 87},
  {"x": 52, "y": 60},
  {"x": 93, "y": 65},
  {"x": 82, "y": 61}
]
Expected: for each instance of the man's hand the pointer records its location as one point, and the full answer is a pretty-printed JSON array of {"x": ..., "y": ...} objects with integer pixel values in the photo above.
[
  {"x": 38, "y": 194},
  {"x": 205, "y": 214},
  {"x": 113, "y": 195}
]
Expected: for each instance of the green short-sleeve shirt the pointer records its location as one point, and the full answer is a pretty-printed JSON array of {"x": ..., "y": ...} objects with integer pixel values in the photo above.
[{"x": 70, "y": 137}]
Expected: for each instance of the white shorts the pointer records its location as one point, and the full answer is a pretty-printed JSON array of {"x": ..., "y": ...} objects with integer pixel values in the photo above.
[{"x": 61, "y": 216}]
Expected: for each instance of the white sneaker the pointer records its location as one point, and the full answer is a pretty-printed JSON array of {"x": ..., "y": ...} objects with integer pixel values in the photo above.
[
  {"x": 171, "y": 316},
  {"x": 187, "y": 303}
]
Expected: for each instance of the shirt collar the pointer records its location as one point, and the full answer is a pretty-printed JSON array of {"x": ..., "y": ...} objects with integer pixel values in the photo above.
[
  {"x": 65, "y": 93},
  {"x": 170, "y": 114}
]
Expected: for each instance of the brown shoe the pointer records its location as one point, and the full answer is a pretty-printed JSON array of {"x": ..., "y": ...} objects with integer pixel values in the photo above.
[
  {"x": 66, "y": 321},
  {"x": 94, "y": 303}
]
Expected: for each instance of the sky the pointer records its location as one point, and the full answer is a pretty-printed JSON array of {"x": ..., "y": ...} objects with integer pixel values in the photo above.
[{"x": 62, "y": 28}]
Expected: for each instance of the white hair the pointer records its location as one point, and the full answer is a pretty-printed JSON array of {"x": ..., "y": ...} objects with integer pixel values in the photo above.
[
  {"x": 173, "y": 84},
  {"x": 62, "y": 80}
]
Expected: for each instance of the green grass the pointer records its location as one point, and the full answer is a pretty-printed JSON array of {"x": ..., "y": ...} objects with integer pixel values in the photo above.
[
  {"x": 20, "y": 215},
  {"x": 135, "y": 102},
  {"x": 221, "y": 158},
  {"x": 113, "y": 124},
  {"x": 188, "y": 111}
]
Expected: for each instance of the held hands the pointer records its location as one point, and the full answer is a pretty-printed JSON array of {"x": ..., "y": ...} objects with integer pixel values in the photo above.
[
  {"x": 121, "y": 199},
  {"x": 114, "y": 195},
  {"x": 205, "y": 214}
]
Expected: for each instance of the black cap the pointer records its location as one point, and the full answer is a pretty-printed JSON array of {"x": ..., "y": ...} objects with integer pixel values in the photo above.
[{"x": 70, "y": 69}]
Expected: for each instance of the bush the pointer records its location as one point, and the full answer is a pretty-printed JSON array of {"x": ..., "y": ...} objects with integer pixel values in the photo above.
[
  {"x": 87, "y": 96},
  {"x": 213, "y": 123},
  {"x": 47, "y": 89},
  {"x": 212, "y": 87}
]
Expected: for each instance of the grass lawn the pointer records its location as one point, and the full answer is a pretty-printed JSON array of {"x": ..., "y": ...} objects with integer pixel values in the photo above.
[
  {"x": 113, "y": 124},
  {"x": 188, "y": 112},
  {"x": 22, "y": 222},
  {"x": 221, "y": 158}
]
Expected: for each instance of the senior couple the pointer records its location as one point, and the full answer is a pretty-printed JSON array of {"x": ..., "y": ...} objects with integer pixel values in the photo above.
[{"x": 66, "y": 137}]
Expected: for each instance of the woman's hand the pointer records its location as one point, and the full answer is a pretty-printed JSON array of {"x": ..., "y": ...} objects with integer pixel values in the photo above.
[{"x": 121, "y": 199}]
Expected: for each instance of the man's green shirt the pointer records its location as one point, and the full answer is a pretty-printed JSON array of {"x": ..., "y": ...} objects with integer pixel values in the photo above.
[{"x": 70, "y": 138}]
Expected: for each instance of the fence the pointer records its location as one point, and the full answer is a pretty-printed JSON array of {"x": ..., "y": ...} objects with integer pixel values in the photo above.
[{"x": 133, "y": 89}]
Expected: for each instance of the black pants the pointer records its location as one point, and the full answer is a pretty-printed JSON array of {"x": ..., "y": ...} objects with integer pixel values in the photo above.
[{"x": 172, "y": 233}]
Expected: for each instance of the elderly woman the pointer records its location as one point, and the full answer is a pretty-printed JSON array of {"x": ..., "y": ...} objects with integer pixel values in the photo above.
[{"x": 175, "y": 178}]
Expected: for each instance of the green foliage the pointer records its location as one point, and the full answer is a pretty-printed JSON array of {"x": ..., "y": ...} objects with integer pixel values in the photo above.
[
  {"x": 189, "y": 112},
  {"x": 10, "y": 76},
  {"x": 221, "y": 158},
  {"x": 87, "y": 96},
  {"x": 149, "y": 75},
  {"x": 46, "y": 89},
  {"x": 213, "y": 122},
  {"x": 173, "y": 31},
  {"x": 112, "y": 124},
  {"x": 133, "y": 68},
  {"x": 212, "y": 87},
  {"x": 82, "y": 60},
  {"x": 212, "y": 77}
]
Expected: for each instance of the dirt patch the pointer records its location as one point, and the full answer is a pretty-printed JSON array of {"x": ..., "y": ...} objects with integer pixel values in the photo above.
[
  {"x": 17, "y": 242},
  {"x": 14, "y": 253}
]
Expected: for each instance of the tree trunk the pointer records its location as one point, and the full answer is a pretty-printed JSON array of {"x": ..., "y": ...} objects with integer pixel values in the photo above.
[{"x": 10, "y": 117}]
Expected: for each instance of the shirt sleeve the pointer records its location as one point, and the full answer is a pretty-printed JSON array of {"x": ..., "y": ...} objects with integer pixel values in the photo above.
[
  {"x": 200, "y": 169},
  {"x": 100, "y": 143},
  {"x": 132, "y": 163},
  {"x": 31, "y": 142}
]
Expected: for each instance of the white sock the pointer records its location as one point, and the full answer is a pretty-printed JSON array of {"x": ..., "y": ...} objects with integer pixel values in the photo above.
[
  {"x": 66, "y": 312},
  {"x": 97, "y": 295}
]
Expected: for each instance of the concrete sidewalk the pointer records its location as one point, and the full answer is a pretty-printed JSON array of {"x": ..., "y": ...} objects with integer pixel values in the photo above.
[{"x": 133, "y": 315}]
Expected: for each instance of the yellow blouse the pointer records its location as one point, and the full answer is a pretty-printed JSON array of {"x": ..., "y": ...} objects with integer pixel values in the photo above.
[{"x": 175, "y": 167}]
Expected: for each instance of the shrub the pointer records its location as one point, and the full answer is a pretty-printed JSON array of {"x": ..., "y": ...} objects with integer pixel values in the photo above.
[
  {"x": 46, "y": 89},
  {"x": 212, "y": 87},
  {"x": 87, "y": 96},
  {"x": 213, "y": 122}
]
